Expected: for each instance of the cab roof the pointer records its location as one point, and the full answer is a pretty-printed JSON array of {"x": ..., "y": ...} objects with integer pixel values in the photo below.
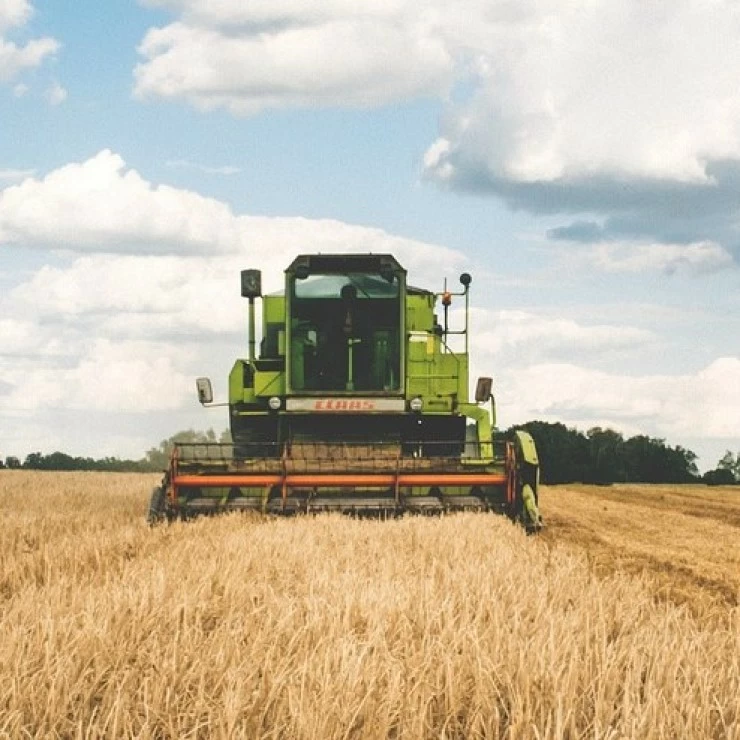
[{"x": 341, "y": 263}]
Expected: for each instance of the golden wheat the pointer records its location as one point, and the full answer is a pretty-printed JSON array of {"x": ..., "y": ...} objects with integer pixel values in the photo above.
[{"x": 328, "y": 627}]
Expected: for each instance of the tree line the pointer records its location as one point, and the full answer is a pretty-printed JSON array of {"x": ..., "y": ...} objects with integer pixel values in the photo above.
[
  {"x": 566, "y": 455},
  {"x": 604, "y": 456},
  {"x": 156, "y": 459}
]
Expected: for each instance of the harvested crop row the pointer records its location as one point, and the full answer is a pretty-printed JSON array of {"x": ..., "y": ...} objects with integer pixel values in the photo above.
[{"x": 686, "y": 538}]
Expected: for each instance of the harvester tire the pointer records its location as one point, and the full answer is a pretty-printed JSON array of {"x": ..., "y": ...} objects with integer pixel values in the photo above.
[{"x": 157, "y": 506}]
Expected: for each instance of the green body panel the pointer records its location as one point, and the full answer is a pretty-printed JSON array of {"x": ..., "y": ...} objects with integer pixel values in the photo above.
[
  {"x": 273, "y": 309},
  {"x": 239, "y": 391},
  {"x": 420, "y": 312},
  {"x": 438, "y": 376},
  {"x": 269, "y": 383},
  {"x": 483, "y": 428},
  {"x": 527, "y": 449}
]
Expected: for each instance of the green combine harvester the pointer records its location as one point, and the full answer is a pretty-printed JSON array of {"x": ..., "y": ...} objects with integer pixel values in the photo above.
[{"x": 356, "y": 402}]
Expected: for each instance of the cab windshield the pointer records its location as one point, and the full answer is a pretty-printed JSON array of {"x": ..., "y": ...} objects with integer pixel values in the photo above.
[{"x": 345, "y": 332}]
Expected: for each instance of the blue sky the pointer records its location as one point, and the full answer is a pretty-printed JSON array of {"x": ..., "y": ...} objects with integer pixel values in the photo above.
[{"x": 581, "y": 160}]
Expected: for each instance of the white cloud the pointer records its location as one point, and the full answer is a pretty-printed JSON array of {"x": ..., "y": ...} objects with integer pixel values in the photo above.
[
  {"x": 699, "y": 257},
  {"x": 118, "y": 332},
  {"x": 20, "y": 90},
  {"x": 568, "y": 90},
  {"x": 11, "y": 175},
  {"x": 205, "y": 169},
  {"x": 555, "y": 369},
  {"x": 267, "y": 13},
  {"x": 696, "y": 258},
  {"x": 556, "y": 90},
  {"x": 249, "y": 57},
  {"x": 705, "y": 404},
  {"x": 119, "y": 296},
  {"x": 627, "y": 109},
  {"x": 129, "y": 376},
  {"x": 56, "y": 94},
  {"x": 25, "y": 337},
  {"x": 129, "y": 296},
  {"x": 15, "y": 58},
  {"x": 100, "y": 205},
  {"x": 14, "y": 13},
  {"x": 516, "y": 337}
]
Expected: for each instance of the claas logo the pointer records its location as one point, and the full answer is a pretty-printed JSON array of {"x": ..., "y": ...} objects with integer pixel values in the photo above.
[{"x": 343, "y": 404}]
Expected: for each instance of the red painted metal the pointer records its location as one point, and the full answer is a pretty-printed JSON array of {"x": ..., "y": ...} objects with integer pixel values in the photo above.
[
  {"x": 510, "y": 473},
  {"x": 369, "y": 480}
]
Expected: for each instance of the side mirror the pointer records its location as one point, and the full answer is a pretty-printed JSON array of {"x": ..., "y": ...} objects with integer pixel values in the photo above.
[
  {"x": 483, "y": 390},
  {"x": 205, "y": 391}
]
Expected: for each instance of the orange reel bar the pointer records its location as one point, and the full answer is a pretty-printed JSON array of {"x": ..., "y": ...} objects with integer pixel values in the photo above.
[{"x": 367, "y": 480}]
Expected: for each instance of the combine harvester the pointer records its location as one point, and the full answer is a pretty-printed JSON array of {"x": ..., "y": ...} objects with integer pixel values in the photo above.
[{"x": 356, "y": 403}]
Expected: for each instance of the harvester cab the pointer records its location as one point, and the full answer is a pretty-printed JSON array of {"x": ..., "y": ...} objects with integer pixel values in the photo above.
[{"x": 357, "y": 401}]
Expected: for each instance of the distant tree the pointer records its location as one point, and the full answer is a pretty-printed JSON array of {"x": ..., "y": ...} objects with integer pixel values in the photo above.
[
  {"x": 730, "y": 463},
  {"x": 33, "y": 461},
  {"x": 606, "y": 455},
  {"x": 63, "y": 461},
  {"x": 158, "y": 458},
  {"x": 650, "y": 460},
  {"x": 12, "y": 462},
  {"x": 719, "y": 477}
]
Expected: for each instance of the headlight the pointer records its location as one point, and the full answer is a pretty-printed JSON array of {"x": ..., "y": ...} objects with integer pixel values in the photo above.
[
  {"x": 274, "y": 403},
  {"x": 415, "y": 404}
]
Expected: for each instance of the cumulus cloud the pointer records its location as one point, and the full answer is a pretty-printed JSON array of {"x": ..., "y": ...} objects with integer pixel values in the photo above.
[
  {"x": 14, "y": 13},
  {"x": 15, "y": 58},
  {"x": 703, "y": 404},
  {"x": 11, "y": 175},
  {"x": 56, "y": 94},
  {"x": 668, "y": 258},
  {"x": 518, "y": 337},
  {"x": 130, "y": 296},
  {"x": 627, "y": 111},
  {"x": 133, "y": 376},
  {"x": 629, "y": 90},
  {"x": 186, "y": 164},
  {"x": 698, "y": 258},
  {"x": 249, "y": 57},
  {"x": 100, "y": 205},
  {"x": 558, "y": 91}
]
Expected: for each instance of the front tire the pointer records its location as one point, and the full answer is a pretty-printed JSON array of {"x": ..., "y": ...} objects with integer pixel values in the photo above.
[{"x": 157, "y": 506}]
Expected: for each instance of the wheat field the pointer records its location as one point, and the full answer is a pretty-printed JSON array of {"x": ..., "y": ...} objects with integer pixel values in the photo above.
[{"x": 621, "y": 620}]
